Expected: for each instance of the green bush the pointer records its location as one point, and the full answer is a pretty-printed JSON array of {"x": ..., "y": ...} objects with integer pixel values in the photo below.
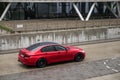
[{"x": 6, "y": 29}]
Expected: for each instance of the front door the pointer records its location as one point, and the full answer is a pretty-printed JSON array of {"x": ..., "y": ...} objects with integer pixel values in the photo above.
[
  {"x": 50, "y": 54},
  {"x": 63, "y": 54}
]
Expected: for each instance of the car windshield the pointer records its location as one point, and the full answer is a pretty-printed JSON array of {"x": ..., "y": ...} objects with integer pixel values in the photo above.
[{"x": 37, "y": 45}]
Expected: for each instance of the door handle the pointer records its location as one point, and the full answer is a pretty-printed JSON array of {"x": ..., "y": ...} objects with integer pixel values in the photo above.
[{"x": 58, "y": 52}]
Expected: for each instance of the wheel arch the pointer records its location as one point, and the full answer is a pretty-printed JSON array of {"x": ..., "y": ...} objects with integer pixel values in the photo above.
[
  {"x": 81, "y": 53},
  {"x": 41, "y": 58}
]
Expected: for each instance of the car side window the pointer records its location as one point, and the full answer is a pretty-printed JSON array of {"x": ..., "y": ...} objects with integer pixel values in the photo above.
[
  {"x": 48, "y": 49},
  {"x": 60, "y": 48}
]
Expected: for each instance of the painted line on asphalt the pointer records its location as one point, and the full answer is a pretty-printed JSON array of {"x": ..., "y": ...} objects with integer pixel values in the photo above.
[
  {"x": 115, "y": 70},
  {"x": 108, "y": 67},
  {"x": 104, "y": 62}
]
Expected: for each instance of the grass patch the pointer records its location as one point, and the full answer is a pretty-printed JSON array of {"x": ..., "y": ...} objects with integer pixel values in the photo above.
[{"x": 6, "y": 29}]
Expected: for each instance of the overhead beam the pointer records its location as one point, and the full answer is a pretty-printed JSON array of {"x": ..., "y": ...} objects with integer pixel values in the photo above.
[
  {"x": 58, "y": 0},
  {"x": 78, "y": 12},
  {"x": 5, "y": 11},
  {"x": 90, "y": 12}
]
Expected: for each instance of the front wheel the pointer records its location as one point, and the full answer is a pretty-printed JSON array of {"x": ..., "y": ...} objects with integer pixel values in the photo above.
[
  {"x": 79, "y": 57},
  {"x": 41, "y": 63}
]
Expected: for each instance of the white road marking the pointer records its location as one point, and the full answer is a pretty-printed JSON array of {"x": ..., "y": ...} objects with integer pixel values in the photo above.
[
  {"x": 108, "y": 67},
  {"x": 115, "y": 70},
  {"x": 104, "y": 62}
]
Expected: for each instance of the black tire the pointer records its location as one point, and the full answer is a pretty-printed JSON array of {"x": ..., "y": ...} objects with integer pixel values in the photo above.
[
  {"x": 41, "y": 63},
  {"x": 79, "y": 57}
]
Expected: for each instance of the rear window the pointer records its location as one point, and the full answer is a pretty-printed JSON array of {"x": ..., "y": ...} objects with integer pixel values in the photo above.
[
  {"x": 37, "y": 45},
  {"x": 33, "y": 47}
]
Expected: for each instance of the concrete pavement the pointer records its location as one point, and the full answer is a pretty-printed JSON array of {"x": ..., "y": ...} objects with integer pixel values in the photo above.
[
  {"x": 69, "y": 71},
  {"x": 96, "y": 56},
  {"x": 107, "y": 77}
]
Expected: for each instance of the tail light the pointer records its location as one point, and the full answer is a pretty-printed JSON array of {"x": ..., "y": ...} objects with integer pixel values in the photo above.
[
  {"x": 22, "y": 54},
  {"x": 26, "y": 56}
]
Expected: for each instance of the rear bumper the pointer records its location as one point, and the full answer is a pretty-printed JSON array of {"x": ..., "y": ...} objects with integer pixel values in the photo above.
[{"x": 28, "y": 61}]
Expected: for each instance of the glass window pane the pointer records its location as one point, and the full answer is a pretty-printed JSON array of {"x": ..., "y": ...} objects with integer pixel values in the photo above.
[
  {"x": 48, "y": 49},
  {"x": 60, "y": 48}
]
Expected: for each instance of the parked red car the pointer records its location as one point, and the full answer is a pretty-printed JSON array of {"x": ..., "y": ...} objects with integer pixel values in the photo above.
[{"x": 43, "y": 53}]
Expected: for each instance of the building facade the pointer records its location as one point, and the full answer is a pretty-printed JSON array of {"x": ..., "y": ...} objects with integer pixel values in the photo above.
[{"x": 49, "y": 9}]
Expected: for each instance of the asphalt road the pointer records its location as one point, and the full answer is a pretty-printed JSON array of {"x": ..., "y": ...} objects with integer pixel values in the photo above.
[{"x": 102, "y": 60}]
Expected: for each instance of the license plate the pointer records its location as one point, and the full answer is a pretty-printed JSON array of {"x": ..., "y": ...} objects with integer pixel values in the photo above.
[{"x": 22, "y": 55}]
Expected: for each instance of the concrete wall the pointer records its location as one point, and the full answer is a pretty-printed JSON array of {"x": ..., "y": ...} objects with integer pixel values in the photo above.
[
  {"x": 15, "y": 41},
  {"x": 53, "y": 24},
  {"x": 3, "y": 32}
]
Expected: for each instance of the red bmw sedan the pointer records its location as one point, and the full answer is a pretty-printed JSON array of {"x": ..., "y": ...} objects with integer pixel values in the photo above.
[{"x": 44, "y": 53}]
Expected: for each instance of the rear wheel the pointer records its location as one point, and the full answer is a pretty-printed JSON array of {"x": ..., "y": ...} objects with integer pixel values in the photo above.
[
  {"x": 79, "y": 57},
  {"x": 41, "y": 63}
]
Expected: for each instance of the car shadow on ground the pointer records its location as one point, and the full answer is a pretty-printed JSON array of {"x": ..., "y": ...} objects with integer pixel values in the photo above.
[
  {"x": 26, "y": 67},
  {"x": 58, "y": 64}
]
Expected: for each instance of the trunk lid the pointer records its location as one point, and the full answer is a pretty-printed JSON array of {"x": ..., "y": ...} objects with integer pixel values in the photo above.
[{"x": 24, "y": 53}]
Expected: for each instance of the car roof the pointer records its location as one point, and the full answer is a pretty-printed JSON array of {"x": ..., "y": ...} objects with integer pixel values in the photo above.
[
  {"x": 32, "y": 47},
  {"x": 46, "y": 43}
]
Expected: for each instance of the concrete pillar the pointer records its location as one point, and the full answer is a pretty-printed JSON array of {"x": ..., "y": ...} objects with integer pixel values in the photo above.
[
  {"x": 111, "y": 10},
  {"x": 90, "y": 12},
  {"x": 5, "y": 11},
  {"x": 118, "y": 8},
  {"x": 107, "y": 11},
  {"x": 78, "y": 12}
]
